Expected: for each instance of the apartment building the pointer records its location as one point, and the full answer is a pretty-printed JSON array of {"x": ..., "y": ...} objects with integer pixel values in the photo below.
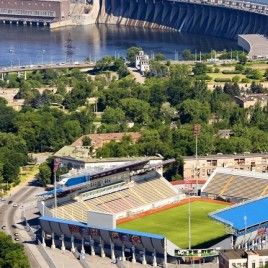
[{"x": 205, "y": 165}]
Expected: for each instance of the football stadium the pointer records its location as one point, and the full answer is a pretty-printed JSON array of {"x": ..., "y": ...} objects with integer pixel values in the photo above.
[{"x": 130, "y": 211}]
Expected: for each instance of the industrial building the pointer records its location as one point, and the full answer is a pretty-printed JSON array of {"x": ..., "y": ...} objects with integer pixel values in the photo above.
[{"x": 34, "y": 11}]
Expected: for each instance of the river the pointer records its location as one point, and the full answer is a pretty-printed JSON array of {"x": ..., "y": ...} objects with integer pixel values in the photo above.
[{"x": 25, "y": 45}]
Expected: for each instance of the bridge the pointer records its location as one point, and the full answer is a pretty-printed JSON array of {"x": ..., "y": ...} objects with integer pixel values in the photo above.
[
  {"x": 27, "y": 68},
  {"x": 253, "y": 7}
]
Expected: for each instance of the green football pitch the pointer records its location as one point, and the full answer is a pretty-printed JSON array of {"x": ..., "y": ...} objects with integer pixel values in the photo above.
[{"x": 173, "y": 223}]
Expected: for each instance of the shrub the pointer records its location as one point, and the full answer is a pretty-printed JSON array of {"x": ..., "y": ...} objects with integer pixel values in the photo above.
[
  {"x": 245, "y": 80},
  {"x": 236, "y": 79},
  {"x": 231, "y": 72},
  {"x": 223, "y": 80}
]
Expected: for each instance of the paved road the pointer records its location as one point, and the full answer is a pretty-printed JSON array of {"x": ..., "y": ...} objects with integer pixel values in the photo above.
[
  {"x": 11, "y": 217},
  {"x": 45, "y": 67}
]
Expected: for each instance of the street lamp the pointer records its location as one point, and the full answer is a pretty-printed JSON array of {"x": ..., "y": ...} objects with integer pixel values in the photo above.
[
  {"x": 43, "y": 52},
  {"x": 11, "y": 51}
]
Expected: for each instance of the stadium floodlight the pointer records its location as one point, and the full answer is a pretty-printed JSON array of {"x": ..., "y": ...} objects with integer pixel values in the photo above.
[
  {"x": 189, "y": 223},
  {"x": 196, "y": 132}
]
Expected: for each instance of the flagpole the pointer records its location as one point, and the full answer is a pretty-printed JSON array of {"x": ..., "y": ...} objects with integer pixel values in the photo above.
[
  {"x": 55, "y": 190},
  {"x": 55, "y": 168}
]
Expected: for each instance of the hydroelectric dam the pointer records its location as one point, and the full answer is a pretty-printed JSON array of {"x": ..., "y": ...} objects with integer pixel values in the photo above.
[
  {"x": 218, "y": 18},
  {"x": 223, "y": 18}
]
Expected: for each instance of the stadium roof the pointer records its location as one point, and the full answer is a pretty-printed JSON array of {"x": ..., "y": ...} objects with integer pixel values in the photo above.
[
  {"x": 123, "y": 231},
  {"x": 244, "y": 215}
]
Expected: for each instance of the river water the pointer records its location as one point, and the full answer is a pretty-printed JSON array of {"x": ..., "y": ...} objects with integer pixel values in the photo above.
[{"x": 21, "y": 45}]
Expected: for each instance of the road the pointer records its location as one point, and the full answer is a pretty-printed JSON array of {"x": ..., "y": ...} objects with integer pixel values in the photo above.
[
  {"x": 45, "y": 67},
  {"x": 11, "y": 218},
  {"x": 137, "y": 75}
]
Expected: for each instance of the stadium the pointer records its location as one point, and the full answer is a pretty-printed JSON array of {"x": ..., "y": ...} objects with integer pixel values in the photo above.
[{"x": 130, "y": 211}]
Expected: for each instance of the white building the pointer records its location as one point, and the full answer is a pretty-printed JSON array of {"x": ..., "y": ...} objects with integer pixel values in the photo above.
[
  {"x": 240, "y": 258},
  {"x": 142, "y": 62}
]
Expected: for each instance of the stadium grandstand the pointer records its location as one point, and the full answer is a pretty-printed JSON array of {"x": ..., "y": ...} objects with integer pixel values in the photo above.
[
  {"x": 248, "y": 223},
  {"x": 235, "y": 185},
  {"x": 88, "y": 207},
  {"x": 122, "y": 199}
]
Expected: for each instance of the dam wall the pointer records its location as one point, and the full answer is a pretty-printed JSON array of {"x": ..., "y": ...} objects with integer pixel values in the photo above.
[{"x": 183, "y": 17}]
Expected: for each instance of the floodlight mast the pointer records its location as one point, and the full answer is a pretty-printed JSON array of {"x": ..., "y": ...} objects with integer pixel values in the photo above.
[
  {"x": 189, "y": 222},
  {"x": 196, "y": 132}
]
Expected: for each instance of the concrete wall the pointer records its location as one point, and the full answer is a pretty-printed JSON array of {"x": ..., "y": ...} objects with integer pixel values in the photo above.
[{"x": 185, "y": 17}]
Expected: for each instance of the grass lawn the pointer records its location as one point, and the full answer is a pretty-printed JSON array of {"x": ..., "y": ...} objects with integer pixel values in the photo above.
[{"x": 173, "y": 223}]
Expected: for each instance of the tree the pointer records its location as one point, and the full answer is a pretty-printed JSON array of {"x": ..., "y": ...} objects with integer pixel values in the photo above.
[
  {"x": 158, "y": 69},
  {"x": 194, "y": 111},
  {"x": 179, "y": 84},
  {"x": 132, "y": 52},
  {"x": 113, "y": 116},
  {"x": 71, "y": 129},
  {"x": 12, "y": 255},
  {"x": 159, "y": 57},
  {"x": 187, "y": 55},
  {"x": 136, "y": 110},
  {"x": 200, "y": 68},
  {"x": 7, "y": 117},
  {"x": 157, "y": 94},
  {"x": 266, "y": 74},
  {"x": 257, "y": 88},
  {"x": 105, "y": 63},
  {"x": 168, "y": 111},
  {"x": 243, "y": 59},
  {"x": 231, "y": 89},
  {"x": 254, "y": 74},
  {"x": 45, "y": 173},
  {"x": 86, "y": 141}
]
